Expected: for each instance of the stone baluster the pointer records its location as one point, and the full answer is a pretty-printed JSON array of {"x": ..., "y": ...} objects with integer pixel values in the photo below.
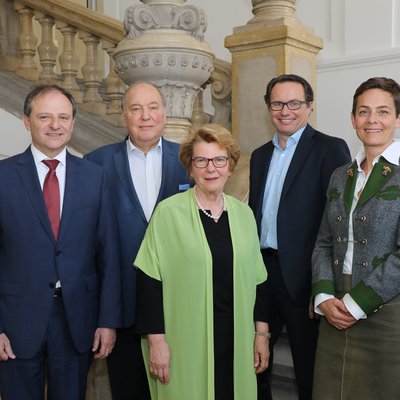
[
  {"x": 27, "y": 44},
  {"x": 47, "y": 49},
  {"x": 69, "y": 60},
  {"x": 91, "y": 72},
  {"x": 115, "y": 89}
]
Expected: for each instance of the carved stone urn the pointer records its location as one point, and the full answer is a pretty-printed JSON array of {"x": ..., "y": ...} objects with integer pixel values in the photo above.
[{"x": 164, "y": 44}]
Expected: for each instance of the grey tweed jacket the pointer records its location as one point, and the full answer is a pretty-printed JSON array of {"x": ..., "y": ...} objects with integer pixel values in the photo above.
[{"x": 376, "y": 232}]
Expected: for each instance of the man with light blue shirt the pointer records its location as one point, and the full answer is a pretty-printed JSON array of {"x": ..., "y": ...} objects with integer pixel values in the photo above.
[
  {"x": 288, "y": 180},
  {"x": 144, "y": 169}
]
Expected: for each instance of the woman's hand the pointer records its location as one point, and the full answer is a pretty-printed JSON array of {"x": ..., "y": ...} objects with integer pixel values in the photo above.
[
  {"x": 261, "y": 347},
  {"x": 337, "y": 314},
  {"x": 159, "y": 357}
]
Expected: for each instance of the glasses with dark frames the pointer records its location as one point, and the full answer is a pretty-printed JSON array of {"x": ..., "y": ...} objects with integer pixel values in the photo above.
[
  {"x": 291, "y": 105},
  {"x": 218, "y": 162}
]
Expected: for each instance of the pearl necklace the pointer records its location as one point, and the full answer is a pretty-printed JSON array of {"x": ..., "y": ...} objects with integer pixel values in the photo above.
[{"x": 215, "y": 218}]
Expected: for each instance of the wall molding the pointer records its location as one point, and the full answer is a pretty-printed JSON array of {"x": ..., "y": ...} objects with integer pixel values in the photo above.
[{"x": 362, "y": 60}]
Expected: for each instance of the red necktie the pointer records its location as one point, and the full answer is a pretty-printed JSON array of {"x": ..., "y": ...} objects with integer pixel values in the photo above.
[{"x": 51, "y": 194}]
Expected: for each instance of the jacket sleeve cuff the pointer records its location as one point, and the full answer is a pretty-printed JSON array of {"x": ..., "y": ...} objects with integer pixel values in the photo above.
[
  {"x": 366, "y": 297},
  {"x": 323, "y": 286}
]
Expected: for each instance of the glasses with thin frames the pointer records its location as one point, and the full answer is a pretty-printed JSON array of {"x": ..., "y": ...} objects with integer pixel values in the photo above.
[
  {"x": 291, "y": 105},
  {"x": 218, "y": 162}
]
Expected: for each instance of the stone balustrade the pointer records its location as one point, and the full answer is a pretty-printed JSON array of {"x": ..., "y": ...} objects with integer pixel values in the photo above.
[
  {"x": 40, "y": 58},
  {"x": 53, "y": 41}
]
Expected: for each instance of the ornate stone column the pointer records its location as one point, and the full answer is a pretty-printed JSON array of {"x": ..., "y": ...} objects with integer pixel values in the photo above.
[
  {"x": 273, "y": 42},
  {"x": 164, "y": 44}
]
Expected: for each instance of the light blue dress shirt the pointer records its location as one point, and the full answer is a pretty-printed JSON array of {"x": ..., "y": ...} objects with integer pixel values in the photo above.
[{"x": 280, "y": 162}]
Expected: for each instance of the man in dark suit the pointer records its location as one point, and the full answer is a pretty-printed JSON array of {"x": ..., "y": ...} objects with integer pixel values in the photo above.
[
  {"x": 288, "y": 180},
  {"x": 144, "y": 169},
  {"x": 60, "y": 294}
]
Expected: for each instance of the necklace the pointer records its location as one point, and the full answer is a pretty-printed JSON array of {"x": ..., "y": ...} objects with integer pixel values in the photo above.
[{"x": 216, "y": 217}]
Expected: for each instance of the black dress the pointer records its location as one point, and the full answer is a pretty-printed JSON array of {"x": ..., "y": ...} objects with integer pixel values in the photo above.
[{"x": 219, "y": 240}]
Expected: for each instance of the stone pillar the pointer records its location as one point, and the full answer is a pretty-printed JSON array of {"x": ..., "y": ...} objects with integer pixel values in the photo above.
[
  {"x": 164, "y": 44},
  {"x": 274, "y": 42}
]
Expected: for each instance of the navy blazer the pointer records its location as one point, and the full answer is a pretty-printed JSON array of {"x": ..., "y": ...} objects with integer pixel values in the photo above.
[
  {"x": 302, "y": 202},
  {"x": 85, "y": 257},
  {"x": 132, "y": 222}
]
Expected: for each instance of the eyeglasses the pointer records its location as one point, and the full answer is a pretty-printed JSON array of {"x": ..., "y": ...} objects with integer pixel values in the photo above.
[
  {"x": 218, "y": 162},
  {"x": 291, "y": 105}
]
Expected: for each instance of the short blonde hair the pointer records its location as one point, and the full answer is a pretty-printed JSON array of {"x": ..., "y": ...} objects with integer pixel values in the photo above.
[{"x": 210, "y": 133}]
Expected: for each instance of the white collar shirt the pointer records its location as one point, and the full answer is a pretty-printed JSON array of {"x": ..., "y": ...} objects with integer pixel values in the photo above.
[{"x": 146, "y": 172}]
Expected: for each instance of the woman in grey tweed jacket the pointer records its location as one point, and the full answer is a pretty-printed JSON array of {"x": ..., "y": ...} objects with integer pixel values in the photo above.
[{"x": 356, "y": 261}]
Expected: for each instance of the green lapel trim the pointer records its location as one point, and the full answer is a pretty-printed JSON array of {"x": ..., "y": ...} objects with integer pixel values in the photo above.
[
  {"x": 381, "y": 172},
  {"x": 348, "y": 193}
]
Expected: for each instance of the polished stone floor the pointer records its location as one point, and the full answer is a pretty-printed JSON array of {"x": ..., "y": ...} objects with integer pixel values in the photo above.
[
  {"x": 283, "y": 386},
  {"x": 284, "y": 391}
]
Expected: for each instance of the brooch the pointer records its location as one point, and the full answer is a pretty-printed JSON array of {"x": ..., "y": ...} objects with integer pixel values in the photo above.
[
  {"x": 386, "y": 170},
  {"x": 350, "y": 172}
]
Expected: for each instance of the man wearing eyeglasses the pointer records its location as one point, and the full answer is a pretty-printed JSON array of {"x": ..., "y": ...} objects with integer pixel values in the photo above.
[
  {"x": 144, "y": 169},
  {"x": 289, "y": 177}
]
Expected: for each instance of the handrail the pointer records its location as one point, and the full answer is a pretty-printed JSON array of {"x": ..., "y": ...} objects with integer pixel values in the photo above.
[{"x": 81, "y": 17}]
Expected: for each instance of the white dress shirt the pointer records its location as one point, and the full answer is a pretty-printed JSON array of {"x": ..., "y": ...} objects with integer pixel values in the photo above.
[{"x": 146, "y": 174}]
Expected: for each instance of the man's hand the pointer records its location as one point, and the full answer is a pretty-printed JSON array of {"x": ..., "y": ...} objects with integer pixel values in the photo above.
[
  {"x": 6, "y": 351},
  {"x": 104, "y": 340}
]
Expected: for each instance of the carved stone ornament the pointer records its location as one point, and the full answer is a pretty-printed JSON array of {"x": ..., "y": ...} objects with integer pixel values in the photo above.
[
  {"x": 142, "y": 17},
  {"x": 164, "y": 44}
]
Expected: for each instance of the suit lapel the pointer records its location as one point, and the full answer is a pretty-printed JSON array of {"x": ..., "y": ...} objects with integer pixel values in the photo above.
[
  {"x": 27, "y": 171},
  {"x": 302, "y": 150},
  {"x": 350, "y": 185},
  {"x": 121, "y": 164},
  {"x": 259, "y": 173},
  {"x": 380, "y": 173},
  {"x": 72, "y": 186},
  {"x": 167, "y": 173}
]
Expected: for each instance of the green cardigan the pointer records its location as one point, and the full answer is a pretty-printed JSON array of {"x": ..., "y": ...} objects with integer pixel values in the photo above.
[{"x": 175, "y": 251}]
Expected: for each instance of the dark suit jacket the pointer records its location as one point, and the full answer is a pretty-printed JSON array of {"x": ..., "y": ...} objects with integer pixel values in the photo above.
[
  {"x": 132, "y": 222},
  {"x": 302, "y": 202},
  {"x": 85, "y": 257}
]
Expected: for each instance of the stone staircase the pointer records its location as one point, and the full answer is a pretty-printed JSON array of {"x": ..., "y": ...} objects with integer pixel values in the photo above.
[{"x": 90, "y": 131}]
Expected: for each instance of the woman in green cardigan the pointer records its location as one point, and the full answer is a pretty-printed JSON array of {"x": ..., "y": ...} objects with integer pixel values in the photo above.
[{"x": 200, "y": 284}]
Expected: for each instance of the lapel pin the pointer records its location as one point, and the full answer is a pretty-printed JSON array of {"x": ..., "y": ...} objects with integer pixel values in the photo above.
[
  {"x": 386, "y": 170},
  {"x": 350, "y": 172}
]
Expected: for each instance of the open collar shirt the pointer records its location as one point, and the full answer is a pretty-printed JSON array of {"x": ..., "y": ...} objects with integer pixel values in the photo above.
[
  {"x": 146, "y": 171},
  {"x": 279, "y": 165}
]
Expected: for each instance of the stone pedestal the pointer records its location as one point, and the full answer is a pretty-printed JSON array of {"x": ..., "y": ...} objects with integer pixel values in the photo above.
[
  {"x": 274, "y": 42},
  {"x": 164, "y": 44}
]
